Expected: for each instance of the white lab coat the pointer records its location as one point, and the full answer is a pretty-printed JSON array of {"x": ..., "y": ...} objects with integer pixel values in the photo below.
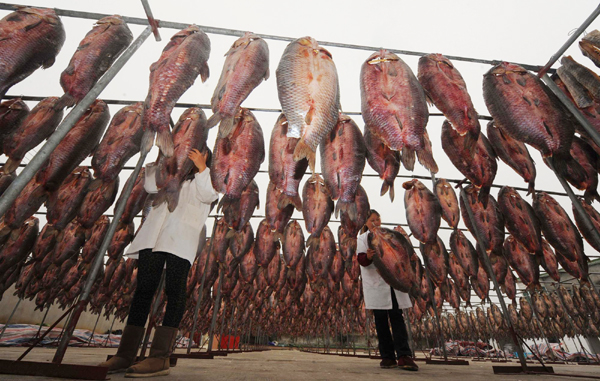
[
  {"x": 376, "y": 291},
  {"x": 176, "y": 232}
]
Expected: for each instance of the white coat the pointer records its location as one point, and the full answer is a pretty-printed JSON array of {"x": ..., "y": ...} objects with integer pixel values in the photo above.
[
  {"x": 176, "y": 232},
  {"x": 376, "y": 291}
]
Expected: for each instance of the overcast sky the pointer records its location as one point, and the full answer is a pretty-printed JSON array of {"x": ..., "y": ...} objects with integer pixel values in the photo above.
[{"x": 518, "y": 31}]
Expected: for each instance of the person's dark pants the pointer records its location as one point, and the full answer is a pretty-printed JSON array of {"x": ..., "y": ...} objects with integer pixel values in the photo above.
[
  {"x": 399, "y": 341},
  {"x": 150, "y": 268}
]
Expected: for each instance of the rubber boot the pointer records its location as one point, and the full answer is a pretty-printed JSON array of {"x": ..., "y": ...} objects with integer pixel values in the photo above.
[
  {"x": 157, "y": 364},
  {"x": 126, "y": 354}
]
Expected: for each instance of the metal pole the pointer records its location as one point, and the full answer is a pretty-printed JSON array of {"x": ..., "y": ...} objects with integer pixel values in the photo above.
[
  {"x": 409, "y": 331},
  {"x": 562, "y": 303},
  {"x": 34, "y": 165},
  {"x": 153, "y": 311},
  {"x": 216, "y": 308},
  {"x": 488, "y": 266},
  {"x": 10, "y": 318},
  {"x": 570, "y": 41},
  {"x": 42, "y": 322},
  {"x": 537, "y": 320},
  {"x": 436, "y": 317},
  {"x": 151, "y": 20},
  {"x": 109, "y": 332},
  {"x": 197, "y": 308},
  {"x": 93, "y": 330}
]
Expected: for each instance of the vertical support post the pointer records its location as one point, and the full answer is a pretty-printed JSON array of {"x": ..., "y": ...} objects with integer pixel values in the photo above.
[
  {"x": 538, "y": 321},
  {"x": 490, "y": 270},
  {"x": 109, "y": 332},
  {"x": 152, "y": 317},
  {"x": 436, "y": 317},
  {"x": 216, "y": 308},
  {"x": 93, "y": 330},
  {"x": 43, "y": 320}
]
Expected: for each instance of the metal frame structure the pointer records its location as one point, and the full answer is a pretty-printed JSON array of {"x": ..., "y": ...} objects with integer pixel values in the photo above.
[{"x": 55, "y": 368}]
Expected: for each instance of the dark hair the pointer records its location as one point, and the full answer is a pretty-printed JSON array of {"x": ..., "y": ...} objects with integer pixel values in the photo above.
[
  {"x": 194, "y": 169},
  {"x": 371, "y": 212}
]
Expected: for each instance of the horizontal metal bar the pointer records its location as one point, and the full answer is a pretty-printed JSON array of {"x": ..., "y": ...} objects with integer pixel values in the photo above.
[
  {"x": 239, "y": 33},
  {"x": 44, "y": 369}
]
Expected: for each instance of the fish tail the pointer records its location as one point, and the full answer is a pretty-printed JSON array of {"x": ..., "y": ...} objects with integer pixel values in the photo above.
[
  {"x": 468, "y": 304},
  {"x": 348, "y": 208},
  {"x": 426, "y": 159},
  {"x": 484, "y": 192},
  {"x": 408, "y": 158},
  {"x": 531, "y": 187},
  {"x": 227, "y": 126},
  {"x": 10, "y": 166},
  {"x": 213, "y": 120},
  {"x": 164, "y": 141},
  {"x": 385, "y": 187},
  {"x": 147, "y": 141},
  {"x": 302, "y": 151},
  {"x": 67, "y": 100},
  {"x": 590, "y": 195},
  {"x": 285, "y": 200},
  {"x": 312, "y": 240}
]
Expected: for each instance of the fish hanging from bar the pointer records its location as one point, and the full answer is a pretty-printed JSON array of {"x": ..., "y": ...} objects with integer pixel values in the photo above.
[
  {"x": 182, "y": 60},
  {"x": 308, "y": 90},
  {"x": 383, "y": 160},
  {"x": 246, "y": 66},
  {"x": 394, "y": 107},
  {"x": 95, "y": 54},
  {"x": 30, "y": 38}
]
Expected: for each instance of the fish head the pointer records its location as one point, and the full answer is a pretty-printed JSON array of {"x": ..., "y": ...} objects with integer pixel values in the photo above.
[
  {"x": 410, "y": 184},
  {"x": 46, "y": 14},
  {"x": 113, "y": 20}
]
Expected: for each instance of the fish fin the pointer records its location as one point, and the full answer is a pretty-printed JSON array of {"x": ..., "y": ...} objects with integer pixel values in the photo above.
[
  {"x": 384, "y": 188},
  {"x": 426, "y": 159},
  {"x": 204, "y": 72},
  {"x": 302, "y": 151},
  {"x": 590, "y": 195},
  {"x": 484, "y": 192},
  {"x": 10, "y": 166},
  {"x": 172, "y": 198},
  {"x": 277, "y": 236},
  {"x": 312, "y": 240},
  {"x": 213, "y": 120},
  {"x": 346, "y": 207},
  {"x": 408, "y": 158},
  {"x": 164, "y": 141},
  {"x": 147, "y": 141},
  {"x": 392, "y": 192},
  {"x": 267, "y": 74},
  {"x": 309, "y": 115},
  {"x": 67, "y": 100},
  {"x": 159, "y": 198},
  {"x": 531, "y": 187},
  {"x": 285, "y": 200},
  {"x": 227, "y": 126}
]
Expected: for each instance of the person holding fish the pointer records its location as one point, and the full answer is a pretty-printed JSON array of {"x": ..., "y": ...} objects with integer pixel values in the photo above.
[
  {"x": 166, "y": 240},
  {"x": 386, "y": 303}
]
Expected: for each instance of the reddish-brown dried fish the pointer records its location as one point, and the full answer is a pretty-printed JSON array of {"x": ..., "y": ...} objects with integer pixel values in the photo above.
[
  {"x": 446, "y": 88},
  {"x": 557, "y": 227},
  {"x": 392, "y": 259},
  {"x": 520, "y": 219},
  {"x": 39, "y": 124},
  {"x": 94, "y": 237},
  {"x": 241, "y": 242},
  {"x": 308, "y": 90},
  {"x": 513, "y": 152},
  {"x": 383, "y": 160},
  {"x": 394, "y": 107},
  {"x": 189, "y": 133},
  {"x": 448, "y": 201},
  {"x": 136, "y": 200},
  {"x": 523, "y": 107},
  {"x": 121, "y": 141},
  {"x": 44, "y": 243},
  {"x": 68, "y": 243},
  {"x": 522, "y": 262},
  {"x": 25, "y": 205},
  {"x": 353, "y": 224},
  {"x": 343, "y": 154},
  {"x": 293, "y": 244},
  {"x": 477, "y": 164},
  {"x": 266, "y": 244},
  {"x": 30, "y": 38},
  {"x": 436, "y": 260},
  {"x": 548, "y": 261},
  {"x": 457, "y": 273},
  {"x": 510, "y": 286},
  {"x": 99, "y": 198},
  {"x": 481, "y": 284},
  {"x": 285, "y": 172},
  {"x": 317, "y": 207},
  {"x": 465, "y": 252},
  {"x": 237, "y": 157},
  {"x": 122, "y": 237},
  {"x": 75, "y": 146},
  {"x": 246, "y": 66},
  {"x": 182, "y": 60},
  {"x": 12, "y": 114},
  {"x": 237, "y": 213},
  {"x": 64, "y": 203},
  {"x": 323, "y": 253},
  {"x": 423, "y": 211},
  {"x": 590, "y": 46},
  {"x": 488, "y": 220},
  {"x": 19, "y": 244},
  {"x": 95, "y": 54}
]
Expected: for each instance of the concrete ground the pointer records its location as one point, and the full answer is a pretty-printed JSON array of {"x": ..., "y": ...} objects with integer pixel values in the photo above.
[{"x": 284, "y": 364}]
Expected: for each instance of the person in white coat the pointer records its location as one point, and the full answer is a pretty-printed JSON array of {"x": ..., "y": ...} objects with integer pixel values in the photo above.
[
  {"x": 386, "y": 304},
  {"x": 166, "y": 240}
]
